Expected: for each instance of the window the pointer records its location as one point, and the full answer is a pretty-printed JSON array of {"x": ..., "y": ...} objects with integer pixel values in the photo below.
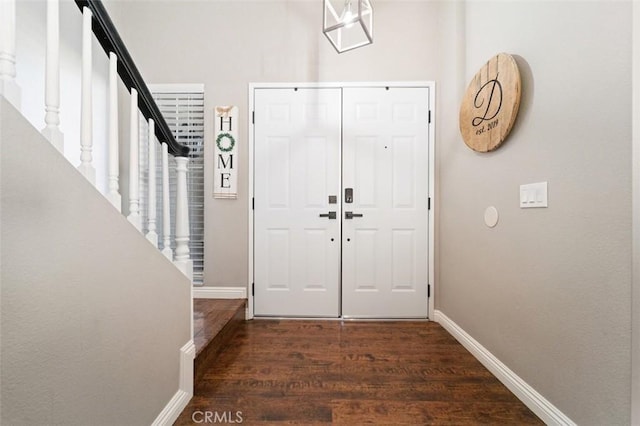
[{"x": 183, "y": 109}]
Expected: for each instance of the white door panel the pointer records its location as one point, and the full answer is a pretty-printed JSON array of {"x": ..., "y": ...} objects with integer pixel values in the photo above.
[
  {"x": 297, "y": 166},
  {"x": 385, "y": 158},
  {"x": 312, "y": 143}
]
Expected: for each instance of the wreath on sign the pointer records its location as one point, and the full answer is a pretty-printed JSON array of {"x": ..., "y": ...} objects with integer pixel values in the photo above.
[{"x": 222, "y": 136}]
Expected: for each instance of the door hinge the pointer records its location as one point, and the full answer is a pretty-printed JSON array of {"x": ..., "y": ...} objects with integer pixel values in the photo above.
[
  {"x": 253, "y": 289},
  {"x": 253, "y": 203},
  {"x": 429, "y": 116},
  {"x": 428, "y": 290},
  {"x": 429, "y": 203},
  {"x": 253, "y": 117}
]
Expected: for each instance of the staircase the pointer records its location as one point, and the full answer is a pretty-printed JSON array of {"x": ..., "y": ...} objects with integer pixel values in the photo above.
[
  {"x": 97, "y": 315},
  {"x": 122, "y": 72},
  {"x": 215, "y": 321}
]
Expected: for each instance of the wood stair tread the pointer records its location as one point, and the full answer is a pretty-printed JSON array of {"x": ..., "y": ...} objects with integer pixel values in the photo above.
[{"x": 214, "y": 323}]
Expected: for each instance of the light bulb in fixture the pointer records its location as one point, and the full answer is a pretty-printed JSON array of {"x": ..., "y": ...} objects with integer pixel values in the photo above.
[{"x": 347, "y": 17}]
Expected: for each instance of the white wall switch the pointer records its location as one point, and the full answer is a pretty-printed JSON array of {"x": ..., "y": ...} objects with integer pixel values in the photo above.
[{"x": 533, "y": 195}]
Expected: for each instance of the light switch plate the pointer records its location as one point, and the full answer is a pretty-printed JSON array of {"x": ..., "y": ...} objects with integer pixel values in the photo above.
[{"x": 534, "y": 195}]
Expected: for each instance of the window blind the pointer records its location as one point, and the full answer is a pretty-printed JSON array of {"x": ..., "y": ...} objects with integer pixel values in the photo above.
[{"x": 183, "y": 109}]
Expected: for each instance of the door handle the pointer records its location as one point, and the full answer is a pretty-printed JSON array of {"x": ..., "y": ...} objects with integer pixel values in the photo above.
[
  {"x": 330, "y": 215},
  {"x": 351, "y": 215}
]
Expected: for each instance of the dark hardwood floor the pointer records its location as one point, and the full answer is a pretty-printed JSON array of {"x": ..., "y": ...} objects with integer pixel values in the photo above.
[{"x": 349, "y": 373}]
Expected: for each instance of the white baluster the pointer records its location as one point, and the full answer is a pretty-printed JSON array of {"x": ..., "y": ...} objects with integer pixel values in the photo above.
[
  {"x": 86, "y": 112},
  {"x": 182, "y": 260},
  {"x": 166, "y": 212},
  {"x": 152, "y": 235},
  {"x": 8, "y": 86},
  {"x": 134, "y": 167},
  {"x": 52, "y": 78},
  {"x": 114, "y": 157}
]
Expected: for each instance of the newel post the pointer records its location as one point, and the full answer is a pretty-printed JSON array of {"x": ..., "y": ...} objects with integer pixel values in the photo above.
[
  {"x": 52, "y": 78},
  {"x": 183, "y": 260},
  {"x": 8, "y": 86}
]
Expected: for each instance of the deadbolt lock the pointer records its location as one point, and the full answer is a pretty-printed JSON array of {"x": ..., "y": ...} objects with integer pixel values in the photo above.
[{"x": 348, "y": 195}]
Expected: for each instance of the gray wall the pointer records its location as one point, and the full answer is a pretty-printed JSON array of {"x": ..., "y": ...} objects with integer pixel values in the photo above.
[
  {"x": 228, "y": 44},
  {"x": 92, "y": 316},
  {"x": 548, "y": 290},
  {"x": 635, "y": 380}
]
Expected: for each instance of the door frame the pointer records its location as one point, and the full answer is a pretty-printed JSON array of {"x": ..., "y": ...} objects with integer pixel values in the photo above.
[{"x": 432, "y": 175}]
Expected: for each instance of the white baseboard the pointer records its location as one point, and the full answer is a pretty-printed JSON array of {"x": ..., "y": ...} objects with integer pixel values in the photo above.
[
  {"x": 187, "y": 355},
  {"x": 173, "y": 409},
  {"x": 529, "y": 396},
  {"x": 182, "y": 397},
  {"x": 219, "y": 293}
]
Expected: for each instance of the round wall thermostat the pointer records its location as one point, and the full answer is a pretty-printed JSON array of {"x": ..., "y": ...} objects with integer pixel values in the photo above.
[{"x": 491, "y": 217}]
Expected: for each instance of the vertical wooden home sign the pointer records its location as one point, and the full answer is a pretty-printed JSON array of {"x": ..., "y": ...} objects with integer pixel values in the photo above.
[{"x": 225, "y": 183}]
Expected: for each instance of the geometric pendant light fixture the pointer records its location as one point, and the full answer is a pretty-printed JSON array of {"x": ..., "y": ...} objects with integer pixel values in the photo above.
[{"x": 348, "y": 24}]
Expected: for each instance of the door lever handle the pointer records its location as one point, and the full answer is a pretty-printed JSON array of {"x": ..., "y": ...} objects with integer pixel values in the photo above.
[
  {"x": 351, "y": 215},
  {"x": 330, "y": 215}
]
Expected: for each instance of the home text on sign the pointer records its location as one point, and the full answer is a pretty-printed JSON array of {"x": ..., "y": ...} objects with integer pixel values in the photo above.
[{"x": 226, "y": 173}]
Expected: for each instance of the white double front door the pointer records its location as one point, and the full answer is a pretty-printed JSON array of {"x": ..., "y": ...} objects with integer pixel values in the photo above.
[{"x": 341, "y": 202}]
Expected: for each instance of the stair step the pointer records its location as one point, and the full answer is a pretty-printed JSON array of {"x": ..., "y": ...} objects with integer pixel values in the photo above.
[{"x": 215, "y": 321}]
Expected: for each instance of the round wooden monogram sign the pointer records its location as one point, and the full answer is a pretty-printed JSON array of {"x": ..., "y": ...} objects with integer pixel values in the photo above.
[{"x": 490, "y": 104}]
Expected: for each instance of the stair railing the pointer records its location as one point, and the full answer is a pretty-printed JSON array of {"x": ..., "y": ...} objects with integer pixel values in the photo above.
[{"x": 96, "y": 22}]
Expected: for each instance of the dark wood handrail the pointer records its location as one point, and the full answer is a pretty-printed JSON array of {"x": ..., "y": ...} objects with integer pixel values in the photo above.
[{"x": 110, "y": 40}]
